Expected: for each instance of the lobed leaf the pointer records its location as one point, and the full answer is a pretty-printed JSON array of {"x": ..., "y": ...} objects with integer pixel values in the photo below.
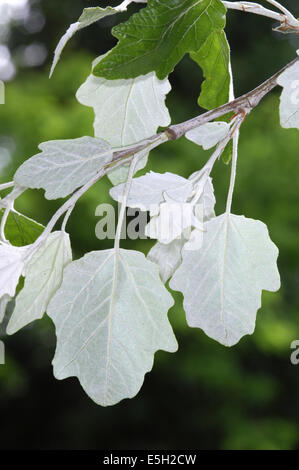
[
  {"x": 64, "y": 165},
  {"x": 214, "y": 59},
  {"x": 111, "y": 317},
  {"x": 43, "y": 276},
  {"x": 11, "y": 268},
  {"x": 158, "y": 36},
  {"x": 126, "y": 112},
  {"x": 223, "y": 281},
  {"x": 147, "y": 191}
]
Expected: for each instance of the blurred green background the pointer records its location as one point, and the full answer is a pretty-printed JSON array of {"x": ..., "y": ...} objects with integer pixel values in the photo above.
[{"x": 205, "y": 396}]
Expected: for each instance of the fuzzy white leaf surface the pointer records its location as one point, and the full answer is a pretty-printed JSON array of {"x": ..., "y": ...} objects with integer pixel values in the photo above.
[
  {"x": 208, "y": 135},
  {"x": 43, "y": 276},
  {"x": 64, "y": 165},
  {"x": 147, "y": 191},
  {"x": 89, "y": 16},
  {"x": 167, "y": 257},
  {"x": 289, "y": 100},
  {"x": 110, "y": 315},
  {"x": 126, "y": 111},
  {"x": 11, "y": 268},
  {"x": 208, "y": 200},
  {"x": 223, "y": 281}
]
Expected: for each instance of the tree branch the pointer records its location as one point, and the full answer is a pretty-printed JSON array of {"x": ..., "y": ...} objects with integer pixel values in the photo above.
[{"x": 246, "y": 103}]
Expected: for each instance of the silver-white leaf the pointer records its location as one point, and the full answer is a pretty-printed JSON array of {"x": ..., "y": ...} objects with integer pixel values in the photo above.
[
  {"x": 289, "y": 101},
  {"x": 167, "y": 257},
  {"x": 111, "y": 317},
  {"x": 208, "y": 135},
  {"x": 64, "y": 165},
  {"x": 208, "y": 200},
  {"x": 147, "y": 191},
  {"x": 223, "y": 281},
  {"x": 43, "y": 276},
  {"x": 11, "y": 268},
  {"x": 126, "y": 111},
  {"x": 89, "y": 16}
]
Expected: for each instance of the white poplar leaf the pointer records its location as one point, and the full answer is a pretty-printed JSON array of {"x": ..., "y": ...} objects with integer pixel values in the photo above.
[
  {"x": 195, "y": 240},
  {"x": 208, "y": 135},
  {"x": 89, "y": 16},
  {"x": 11, "y": 268},
  {"x": 147, "y": 191},
  {"x": 223, "y": 281},
  {"x": 289, "y": 101},
  {"x": 64, "y": 165},
  {"x": 208, "y": 200},
  {"x": 126, "y": 111},
  {"x": 3, "y": 304},
  {"x": 43, "y": 276},
  {"x": 111, "y": 317},
  {"x": 167, "y": 257}
]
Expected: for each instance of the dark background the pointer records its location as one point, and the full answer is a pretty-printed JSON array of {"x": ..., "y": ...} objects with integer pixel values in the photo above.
[{"x": 205, "y": 396}]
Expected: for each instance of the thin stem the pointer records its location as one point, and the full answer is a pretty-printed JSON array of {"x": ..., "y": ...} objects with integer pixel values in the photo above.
[
  {"x": 233, "y": 171},
  {"x": 66, "y": 218},
  {"x": 3, "y": 223},
  {"x": 64, "y": 208},
  {"x": 7, "y": 185},
  {"x": 280, "y": 7},
  {"x": 250, "y": 7},
  {"x": 123, "y": 6},
  {"x": 246, "y": 103},
  {"x": 11, "y": 197},
  {"x": 124, "y": 201}
]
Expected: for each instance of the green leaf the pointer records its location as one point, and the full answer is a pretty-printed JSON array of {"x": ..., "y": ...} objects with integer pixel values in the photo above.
[
  {"x": 214, "y": 58},
  {"x": 20, "y": 230},
  {"x": 158, "y": 36}
]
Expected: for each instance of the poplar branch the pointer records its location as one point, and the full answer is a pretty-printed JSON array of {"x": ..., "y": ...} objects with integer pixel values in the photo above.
[{"x": 244, "y": 103}]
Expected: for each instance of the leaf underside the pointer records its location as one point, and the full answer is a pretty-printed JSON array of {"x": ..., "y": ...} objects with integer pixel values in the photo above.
[
  {"x": 111, "y": 317},
  {"x": 222, "y": 282}
]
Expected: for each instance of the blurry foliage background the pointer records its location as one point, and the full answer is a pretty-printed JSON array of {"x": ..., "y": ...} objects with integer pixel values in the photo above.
[{"x": 206, "y": 396}]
